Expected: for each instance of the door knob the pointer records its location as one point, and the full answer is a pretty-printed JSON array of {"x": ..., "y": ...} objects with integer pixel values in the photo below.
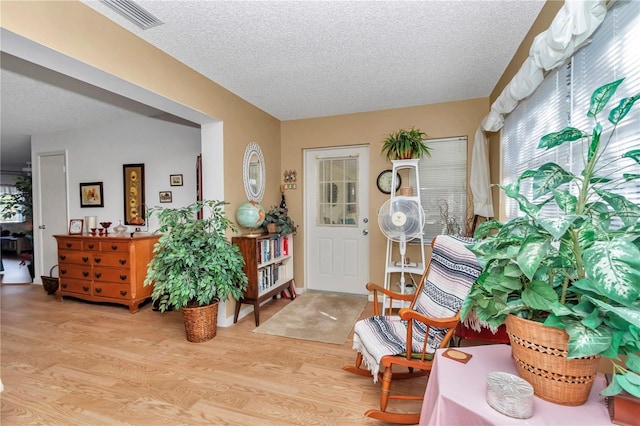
[{"x": 365, "y": 232}]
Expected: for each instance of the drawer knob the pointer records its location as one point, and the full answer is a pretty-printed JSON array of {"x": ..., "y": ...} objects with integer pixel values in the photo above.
[
  {"x": 69, "y": 245},
  {"x": 63, "y": 257},
  {"x": 63, "y": 271},
  {"x": 98, "y": 274},
  {"x": 85, "y": 259},
  {"x": 64, "y": 285},
  {"x": 91, "y": 246},
  {"x": 123, "y": 261},
  {"x": 85, "y": 288},
  {"x": 97, "y": 259},
  {"x": 123, "y": 277},
  {"x": 114, "y": 247},
  {"x": 98, "y": 290},
  {"x": 123, "y": 293},
  {"x": 85, "y": 274}
]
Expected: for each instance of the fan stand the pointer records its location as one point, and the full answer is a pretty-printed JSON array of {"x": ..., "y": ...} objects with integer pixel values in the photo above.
[{"x": 403, "y": 251}]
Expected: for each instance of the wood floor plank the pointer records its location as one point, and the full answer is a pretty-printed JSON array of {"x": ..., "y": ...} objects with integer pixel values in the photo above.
[{"x": 80, "y": 363}]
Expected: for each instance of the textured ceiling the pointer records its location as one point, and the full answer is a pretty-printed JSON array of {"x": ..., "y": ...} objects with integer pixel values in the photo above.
[{"x": 301, "y": 59}]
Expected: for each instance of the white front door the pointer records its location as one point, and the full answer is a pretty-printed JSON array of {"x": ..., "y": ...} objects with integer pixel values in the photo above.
[
  {"x": 51, "y": 217},
  {"x": 336, "y": 205}
]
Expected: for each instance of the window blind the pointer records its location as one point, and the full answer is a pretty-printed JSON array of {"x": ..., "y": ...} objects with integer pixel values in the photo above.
[
  {"x": 443, "y": 186},
  {"x": 563, "y": 99}
]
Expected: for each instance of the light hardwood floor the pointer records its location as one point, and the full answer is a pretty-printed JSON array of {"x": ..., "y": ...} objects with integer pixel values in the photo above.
[{"x": 79, "y": 363}]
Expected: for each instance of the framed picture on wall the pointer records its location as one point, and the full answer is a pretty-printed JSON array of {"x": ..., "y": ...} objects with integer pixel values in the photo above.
[
  {"x": 166, "y": 197},
  {"x": 175, "y": 180},
  {"x": 134, "y": 206},
  {"x": 91, "y": 194}
]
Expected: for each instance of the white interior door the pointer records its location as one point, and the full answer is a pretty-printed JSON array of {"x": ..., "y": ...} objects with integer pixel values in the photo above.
[
  {"x": 52, "y": 210},
  {"x": 336, "y": 209}
]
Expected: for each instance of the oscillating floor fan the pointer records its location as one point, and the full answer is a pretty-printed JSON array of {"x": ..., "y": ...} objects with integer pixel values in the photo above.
[{"x": 401, "y": 220}]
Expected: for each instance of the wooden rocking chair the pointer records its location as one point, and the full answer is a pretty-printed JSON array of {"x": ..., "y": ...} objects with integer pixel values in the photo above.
[{"x": 434, "y": 311}]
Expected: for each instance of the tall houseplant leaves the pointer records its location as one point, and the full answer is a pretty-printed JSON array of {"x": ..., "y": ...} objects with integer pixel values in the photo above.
[{"x": 578, "y": 268}]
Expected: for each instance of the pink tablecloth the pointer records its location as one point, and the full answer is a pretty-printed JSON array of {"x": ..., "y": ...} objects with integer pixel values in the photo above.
[{"x": 456, "y": 394}]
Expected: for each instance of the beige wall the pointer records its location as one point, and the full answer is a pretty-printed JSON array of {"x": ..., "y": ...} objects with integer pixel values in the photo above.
[
  {"x": 438, "y": 120},
  {"x": 542, "y": 22}
]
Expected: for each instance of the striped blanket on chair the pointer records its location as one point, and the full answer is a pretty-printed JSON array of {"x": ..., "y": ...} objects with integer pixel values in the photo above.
[{"x": 452, "y": 271}]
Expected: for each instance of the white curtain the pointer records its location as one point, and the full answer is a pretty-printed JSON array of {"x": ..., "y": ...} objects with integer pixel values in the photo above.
[{"x": 574, "y": 23}]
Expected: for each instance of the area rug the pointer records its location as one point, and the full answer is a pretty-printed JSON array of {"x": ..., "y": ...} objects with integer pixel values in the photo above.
[{"x": 321, "y": 317}]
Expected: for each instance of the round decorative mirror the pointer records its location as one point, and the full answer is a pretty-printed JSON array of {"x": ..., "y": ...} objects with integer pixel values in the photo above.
[{"x": 253, "y": 172}]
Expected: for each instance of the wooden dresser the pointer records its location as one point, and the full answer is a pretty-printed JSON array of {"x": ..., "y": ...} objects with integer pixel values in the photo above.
[{"x": 105, "y": 269}]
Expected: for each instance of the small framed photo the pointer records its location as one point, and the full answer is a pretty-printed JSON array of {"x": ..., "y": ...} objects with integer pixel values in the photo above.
[
  {"x": 166, "y": 197},
  {"x": 176, "y": 180},
  {"x": 91, "y": 194},
  {"x": 75, "y": 226}
]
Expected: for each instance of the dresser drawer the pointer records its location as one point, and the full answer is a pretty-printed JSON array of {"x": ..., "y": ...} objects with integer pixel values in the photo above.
[
  {"x": 115, "y": 260},
  {"x": 114, "y": 246},
  {"x": 118, "y": 291},
  {"x": 114, "y": 275},
  {"x": 69, "y": 244},
  {"x": 75, "y": 257},
  {"x": 91, "y": 245},
  {"x": 74, "y": 271},
  {"x": 70, "y": 285}
]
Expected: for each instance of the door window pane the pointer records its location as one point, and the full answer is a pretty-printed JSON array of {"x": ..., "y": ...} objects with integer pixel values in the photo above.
[{"x": 338, "y": 192}]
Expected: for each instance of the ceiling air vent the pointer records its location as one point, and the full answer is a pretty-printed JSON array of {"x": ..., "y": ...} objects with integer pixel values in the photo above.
[{"x": 134, "y": 13}]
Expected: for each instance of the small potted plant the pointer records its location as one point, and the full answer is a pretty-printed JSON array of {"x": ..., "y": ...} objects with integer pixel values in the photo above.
[
  {"x": 195, "y": 266},
  {"x": 277, "y": 220},
  {"x": 405, "y": 144},
  {"x": 578, "y": 270}
]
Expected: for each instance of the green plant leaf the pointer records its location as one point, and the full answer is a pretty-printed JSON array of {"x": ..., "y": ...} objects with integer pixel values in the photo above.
[
  {"x": 565, "y": 200},
  {"x": 628, "y": 212},
  {"x": 633, "y": 362},
  {"x": 619, "y": 112},
  {"x": 630, "y": 315},
  {"x": 568, "y": 134},
  {"x": 557, "y": 226},
  {"x": 595, "y": 141},
  {"x": 634, "y": 154},
  {"x": 531, "y": 254},
  {"x": 627, "y": 382},
  {"x": 614, "y": 268},
  {"x": 630, "y": 176},
  {"x": 549, "y": 176},
  {"x": 538, "y": 295},
  {"x": 614, "y": 387},
  {"x": 584, "y": 341},
  {"x": 486, "y": 228},
  {"x": 601, "y": 96}
]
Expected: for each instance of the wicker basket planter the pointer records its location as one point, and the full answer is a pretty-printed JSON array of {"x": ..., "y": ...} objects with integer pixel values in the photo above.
[
  {"x": 540, "y": 354},
  {"x": 50, "y": 283},
  {"x": 201, "y": 323}
]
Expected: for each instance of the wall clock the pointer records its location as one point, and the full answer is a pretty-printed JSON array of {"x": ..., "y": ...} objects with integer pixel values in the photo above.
[{"x": 384, "y": 181}]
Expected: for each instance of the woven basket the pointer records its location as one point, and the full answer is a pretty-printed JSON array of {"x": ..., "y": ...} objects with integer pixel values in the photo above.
[
  {"x": 50, "y": 283},
  {"x": 201, "y": 324},
  {"x": 540, "y": 354}
]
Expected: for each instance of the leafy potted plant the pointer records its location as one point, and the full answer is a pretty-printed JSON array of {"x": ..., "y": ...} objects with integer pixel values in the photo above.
[
  {"x": 277, "y": 220},
  {"x": 577, "y": 271},
  {"x": 405, "y": 144},
  {"x": 195, "y": 265}
]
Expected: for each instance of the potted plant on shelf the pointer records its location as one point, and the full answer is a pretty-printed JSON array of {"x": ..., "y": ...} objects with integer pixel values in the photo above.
[
  {"x": 577, "y": 270},
  {"x": 277, "y": 220},
  {"x": 195, "y": 266},
  {"x": 405, "y": 144}
]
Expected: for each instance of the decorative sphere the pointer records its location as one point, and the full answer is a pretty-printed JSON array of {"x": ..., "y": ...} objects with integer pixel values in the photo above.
[{"x": 250, "y": 214}]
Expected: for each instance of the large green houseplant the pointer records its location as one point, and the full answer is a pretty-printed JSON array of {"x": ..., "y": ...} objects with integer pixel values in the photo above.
[
  {"x": 577, "y": 270},
  {"x": 405, "y": 144},
  {"x": 194, "y": 263}
]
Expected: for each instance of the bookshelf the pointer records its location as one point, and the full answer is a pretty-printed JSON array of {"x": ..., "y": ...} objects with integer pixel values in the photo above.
[{"x": 268, "y": 266}]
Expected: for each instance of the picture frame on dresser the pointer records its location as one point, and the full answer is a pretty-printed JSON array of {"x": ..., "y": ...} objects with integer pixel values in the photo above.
[
  {"x": 91, "y": 194},
  {"x": 75, "y": 226},
  {"x": 134, "y": 194}
]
